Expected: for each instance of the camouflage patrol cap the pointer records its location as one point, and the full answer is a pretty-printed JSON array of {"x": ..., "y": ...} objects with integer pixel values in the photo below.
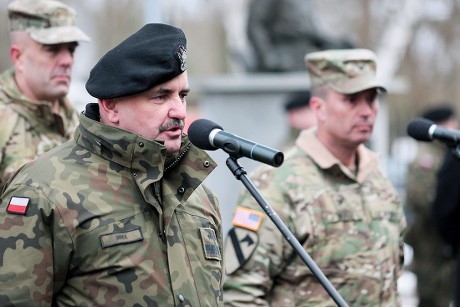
[
  {"x": 47, "y": 21},
  {"x": 153, "y": 55},
  {"x": 346, "y": 71}
]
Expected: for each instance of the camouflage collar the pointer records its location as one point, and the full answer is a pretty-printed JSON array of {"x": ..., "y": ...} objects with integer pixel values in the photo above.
[
  {"x": 145, "y": 159},
  {"x": 121, "y": 147},
  {"x": 368, "y": 160}
]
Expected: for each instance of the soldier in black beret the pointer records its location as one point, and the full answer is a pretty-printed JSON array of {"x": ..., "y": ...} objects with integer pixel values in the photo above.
[
  {"x": 439, "y": 114},
  {"x": 120, "y": 214},
  {"x": 299, "y": 114},
  {"x": 130, "y": 76},
  {"x": 297, "y": 107}
]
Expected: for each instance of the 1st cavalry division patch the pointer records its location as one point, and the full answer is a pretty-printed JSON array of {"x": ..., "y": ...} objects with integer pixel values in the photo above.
[
  {"x": 242, "y": 240},
  {"x": 240, "y": 245}
]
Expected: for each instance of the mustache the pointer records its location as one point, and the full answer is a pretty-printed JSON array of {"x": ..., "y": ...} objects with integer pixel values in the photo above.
[
  {"x": 173, "y": 124},
  {"x": 62, "y": 71}
]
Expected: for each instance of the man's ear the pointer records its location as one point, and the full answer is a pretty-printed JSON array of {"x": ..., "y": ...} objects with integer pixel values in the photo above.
[
  {"x": 109, "y": 111},
  {"x": 317, "y": 105},
  {"x": 15, "y": 53}
]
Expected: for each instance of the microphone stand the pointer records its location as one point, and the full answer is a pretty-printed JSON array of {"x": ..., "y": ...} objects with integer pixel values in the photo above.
[{"x": 240, "y": 173}]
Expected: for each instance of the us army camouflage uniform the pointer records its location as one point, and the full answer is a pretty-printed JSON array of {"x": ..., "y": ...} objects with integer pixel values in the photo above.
[
  {"x": 351, "y": 225},
  {"x": 432, "y": 263},
  {"x": 108, "y": 224},
  {"x": 29, "y": 128}
]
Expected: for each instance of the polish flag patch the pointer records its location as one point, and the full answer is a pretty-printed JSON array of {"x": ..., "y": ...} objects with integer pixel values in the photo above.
[{"x": 18, "y": 205}]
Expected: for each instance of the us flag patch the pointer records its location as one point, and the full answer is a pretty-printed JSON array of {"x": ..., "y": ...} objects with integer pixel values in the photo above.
[
  {"x": 18, "y": 205},
  {"x": 247, "y": 218}
]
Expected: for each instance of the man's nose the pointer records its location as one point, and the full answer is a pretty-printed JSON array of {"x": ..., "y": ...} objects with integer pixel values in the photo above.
[
  {"x": 66, "y": 57},
  {"x": 178, "y": 109}
]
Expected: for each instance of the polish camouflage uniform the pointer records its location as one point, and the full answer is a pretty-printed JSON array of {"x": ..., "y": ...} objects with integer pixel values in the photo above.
[
  {"x": 433, "y": 261},
  {"x": 109, "y": 224},
  {"x": 351, "y": 224},
  {"x": 110, "y": 219},
  {"x": 30, "y": 128}
]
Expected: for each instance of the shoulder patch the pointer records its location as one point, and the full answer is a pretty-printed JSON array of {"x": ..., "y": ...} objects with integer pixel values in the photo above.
[
  {"x": 18, "y": 205},
  {"x": 247, "y": 218},
  {"x": 210, "y": 244},
  {"x": 239, "y": 247}
]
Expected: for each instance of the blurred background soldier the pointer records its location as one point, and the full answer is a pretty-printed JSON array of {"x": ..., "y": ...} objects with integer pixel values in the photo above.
[
  {"x": 35, "y": 114},
  {"x": 299, "y": 114},
  {"x": 432, "y": 261},
  {"x": 446, "y": 213}
]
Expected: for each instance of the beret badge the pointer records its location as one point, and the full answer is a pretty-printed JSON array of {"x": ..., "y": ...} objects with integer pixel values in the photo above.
[{"x": 182, "y": 55}]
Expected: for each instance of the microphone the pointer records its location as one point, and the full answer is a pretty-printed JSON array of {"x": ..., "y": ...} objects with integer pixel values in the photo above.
[
  {"x": 426, "y": 130},
  {"x": 208, "y": 135}
]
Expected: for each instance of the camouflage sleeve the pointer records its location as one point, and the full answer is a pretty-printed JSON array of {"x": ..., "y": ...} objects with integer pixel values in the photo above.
[
  {"x": 402, "y": 234},
  {"x": 8, "y": 119},
  {"x": 250, "y": 280},
  {"x": 29, "y": 269},
  {"x": 420, "y": 187}
]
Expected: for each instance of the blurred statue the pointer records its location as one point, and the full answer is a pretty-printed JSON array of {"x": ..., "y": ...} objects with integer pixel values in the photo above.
[{"x": 282, "y": 32}]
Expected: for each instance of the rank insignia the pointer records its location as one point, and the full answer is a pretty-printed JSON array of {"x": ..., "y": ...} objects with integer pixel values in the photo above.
[{"x": 182, "y": 55}]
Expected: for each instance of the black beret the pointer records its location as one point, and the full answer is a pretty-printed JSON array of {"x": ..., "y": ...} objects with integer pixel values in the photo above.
[
  {"x": 153, "y": 55},
  {"x": 298, "y": 100},
  {"x": 439, "y": 113}
]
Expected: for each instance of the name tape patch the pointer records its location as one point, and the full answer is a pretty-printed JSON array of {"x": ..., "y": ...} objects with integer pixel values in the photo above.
[{"x": 117, "y": 238}]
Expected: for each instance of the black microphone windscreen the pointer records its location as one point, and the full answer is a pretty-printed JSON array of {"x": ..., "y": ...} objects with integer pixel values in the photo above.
[
  {"x": 419, "y": 129},
  {"x": 198, "y": 133}
]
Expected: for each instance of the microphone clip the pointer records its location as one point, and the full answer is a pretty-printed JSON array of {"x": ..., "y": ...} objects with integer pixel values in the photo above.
[{"x": 232, "y": 147}]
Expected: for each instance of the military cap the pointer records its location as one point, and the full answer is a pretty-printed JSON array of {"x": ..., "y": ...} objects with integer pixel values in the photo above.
[
  {"x": 346, "y": 71},
  {"x": 153, "y": 55},
  {"x": 298, "y": 100},
  {"x": 439, "y": 113},
  {"x": 48, "y": 22}
]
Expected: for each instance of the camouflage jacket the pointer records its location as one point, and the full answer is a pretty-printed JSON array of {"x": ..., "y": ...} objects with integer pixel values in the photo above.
[
  {"x": 29, "y": 128},
  {"x": 421, "y": 183},
  {"x": 106, "y": 223},
  {"x": 351, "y": 225},
  {"x": 433, "y": 262}
]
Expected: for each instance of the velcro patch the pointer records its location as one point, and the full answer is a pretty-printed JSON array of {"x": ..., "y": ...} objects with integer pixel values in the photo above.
[
  {"x": 239, "y": 247},
  {"x": 117, "y": 238},
  {"x": 247, "y": 218},
  {"x": 210, "y": 244},
  {"x": 18, "y": 205}
]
